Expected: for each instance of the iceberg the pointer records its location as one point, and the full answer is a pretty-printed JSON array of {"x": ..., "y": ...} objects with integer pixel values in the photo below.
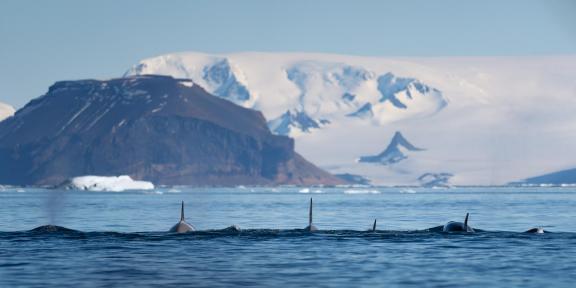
[{"x": 108, "y": 183}]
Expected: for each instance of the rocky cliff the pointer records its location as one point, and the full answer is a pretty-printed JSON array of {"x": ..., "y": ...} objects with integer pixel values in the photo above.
[{"x": 156, "y": 128}]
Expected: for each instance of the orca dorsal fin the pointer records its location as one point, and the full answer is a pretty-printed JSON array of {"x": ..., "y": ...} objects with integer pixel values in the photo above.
[
  {"x": 466, "y": 220},
  {"x": 310, "y": 214},
  {"x": 374, "y": 226},
  {"x": 182, "y": 212}
]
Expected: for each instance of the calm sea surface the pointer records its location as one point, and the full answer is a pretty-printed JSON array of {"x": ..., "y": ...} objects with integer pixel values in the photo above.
[{"x": 120, "y": 238}]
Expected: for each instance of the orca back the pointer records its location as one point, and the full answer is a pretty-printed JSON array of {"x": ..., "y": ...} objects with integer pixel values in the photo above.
[{"x": 182, "y": 226}]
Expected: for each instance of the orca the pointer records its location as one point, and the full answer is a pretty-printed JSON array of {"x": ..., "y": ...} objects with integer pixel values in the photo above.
[
  {"x": 458, "y": 226},
  {"x": 182, "y": 226},
  {"x": 536, "y": 230},
  {"x": 374, "y": 226},
  {"x": 233, "y": 228},
  {"x": 52, "y": 229},
  {"x": 310, "y": 227}
]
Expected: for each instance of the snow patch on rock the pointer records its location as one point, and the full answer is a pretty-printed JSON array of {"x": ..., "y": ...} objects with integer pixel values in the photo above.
[{"x": 6, "y": 111}]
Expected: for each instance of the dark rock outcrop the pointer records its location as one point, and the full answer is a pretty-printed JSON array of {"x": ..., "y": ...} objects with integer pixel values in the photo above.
[
  {"x": 393, "y": 152},
  {"x": 555, "y": 178},
  {"x": 153, "y": 128},
  {"x": 435, "y": 179},
  {"x": 353, "y": 179}
]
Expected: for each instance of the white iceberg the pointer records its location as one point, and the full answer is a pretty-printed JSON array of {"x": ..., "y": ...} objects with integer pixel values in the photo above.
[
  {"x": 108, "y": 183},
  {"x": 361, "y": 191}
]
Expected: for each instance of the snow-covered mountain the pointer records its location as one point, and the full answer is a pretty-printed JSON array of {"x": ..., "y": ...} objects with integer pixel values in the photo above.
[
  {"x": 300, "y": 95},
  {"x": 486, "y": 120},
  {"x": 6, "y": 111}
]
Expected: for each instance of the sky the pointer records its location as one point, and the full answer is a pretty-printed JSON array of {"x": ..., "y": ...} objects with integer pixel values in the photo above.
[{"x": 46, "y": 41}]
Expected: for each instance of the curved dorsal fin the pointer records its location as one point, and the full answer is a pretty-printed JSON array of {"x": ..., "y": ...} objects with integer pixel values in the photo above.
[
  {"x": 466, "y": 220},
  {"x": 374, "y": 226},
  {"x": 310, "y": 214},
  {"x": 182, "y": 212}
]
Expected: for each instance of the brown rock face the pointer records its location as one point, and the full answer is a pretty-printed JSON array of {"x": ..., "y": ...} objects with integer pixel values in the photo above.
[{"x": 153, "y": 128}]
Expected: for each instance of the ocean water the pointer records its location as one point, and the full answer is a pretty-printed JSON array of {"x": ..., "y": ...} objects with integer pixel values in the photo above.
[{"x": 120, "y": 239}]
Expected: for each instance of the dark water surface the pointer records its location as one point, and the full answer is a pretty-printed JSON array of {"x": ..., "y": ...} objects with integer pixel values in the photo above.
[{"x": 119, "y": 239}]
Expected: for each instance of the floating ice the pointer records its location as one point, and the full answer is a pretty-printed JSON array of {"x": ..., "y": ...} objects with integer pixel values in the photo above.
[
  {"x": 361, "y": 191},
  {"x": 108, "y": 183}
]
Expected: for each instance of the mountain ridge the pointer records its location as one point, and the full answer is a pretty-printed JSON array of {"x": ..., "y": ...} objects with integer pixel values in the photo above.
[{"x": 319, "y": 89}]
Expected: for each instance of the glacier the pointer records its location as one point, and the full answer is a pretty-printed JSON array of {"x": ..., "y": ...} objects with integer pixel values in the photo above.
[{"x": 486, "y": 120}]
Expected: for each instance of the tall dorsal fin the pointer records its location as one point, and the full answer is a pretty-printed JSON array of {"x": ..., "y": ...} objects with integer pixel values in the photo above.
[
  {"x": 374, "y": 226},
  {"x": 466, "y": 220},
  {"x": 182, "y": 212},
  {"x": 310, "y": 214}
]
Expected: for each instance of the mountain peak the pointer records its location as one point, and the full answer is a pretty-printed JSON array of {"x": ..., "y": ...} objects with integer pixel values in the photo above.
[
  {"x": 398, "y": 140},
  {"x": 401, "y": 91},
  {"x": 292, "y": 122},
  {"x": 395, "y": 152},
  {"x": 364, "y": 112}
]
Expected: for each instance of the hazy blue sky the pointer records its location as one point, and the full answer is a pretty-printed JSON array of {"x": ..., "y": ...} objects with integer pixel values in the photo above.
[{"x": 45, "y": 41}]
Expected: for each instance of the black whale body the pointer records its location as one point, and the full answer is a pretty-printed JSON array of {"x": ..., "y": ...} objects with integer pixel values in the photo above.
[{"x": 52, "y": 229}]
